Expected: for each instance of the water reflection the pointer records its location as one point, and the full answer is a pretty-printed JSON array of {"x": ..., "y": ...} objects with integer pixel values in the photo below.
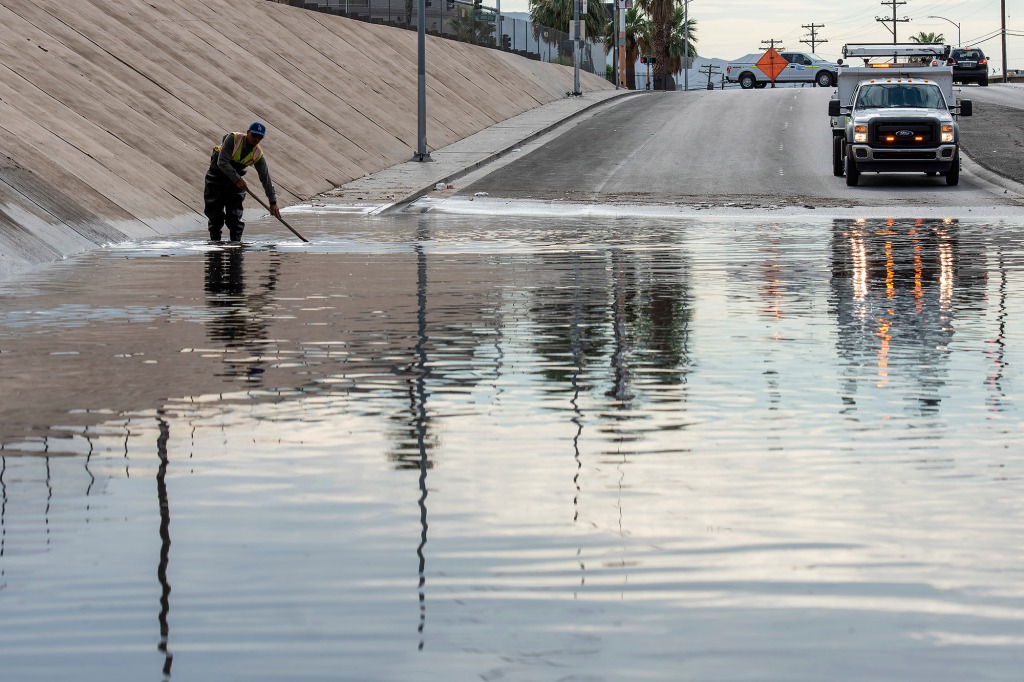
[
  {"x": 897, "y": 287},
  {"x": 997, "y": 345},
  {"x": 631, "y": 310},
  {"x": 165, "y": 543},
  {"x": 629, "y": 453},
  {"x": 239, "y": 317},
  {"x": 422, "y": 372}
]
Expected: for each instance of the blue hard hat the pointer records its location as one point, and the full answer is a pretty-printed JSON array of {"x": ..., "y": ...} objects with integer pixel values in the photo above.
[{"x": 258, "y": 128}]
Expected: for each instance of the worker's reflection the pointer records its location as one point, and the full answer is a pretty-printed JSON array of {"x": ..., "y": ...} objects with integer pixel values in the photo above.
[
  {"x": 238, "y": 318},
  {"x": 224, "y": 275}
]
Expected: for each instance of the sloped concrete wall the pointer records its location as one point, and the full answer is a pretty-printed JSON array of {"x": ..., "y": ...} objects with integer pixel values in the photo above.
[{"x": 109, "y": 108}]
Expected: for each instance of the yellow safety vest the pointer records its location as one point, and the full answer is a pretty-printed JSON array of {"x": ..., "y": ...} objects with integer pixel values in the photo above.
[{"x": 254, "y": 155}]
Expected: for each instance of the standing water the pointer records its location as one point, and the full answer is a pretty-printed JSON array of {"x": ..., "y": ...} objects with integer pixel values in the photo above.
[{"x": 598, "y": 450}]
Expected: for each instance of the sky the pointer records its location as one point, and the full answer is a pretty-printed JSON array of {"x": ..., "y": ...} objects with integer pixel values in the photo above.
[{"x": 729, "y": 30}]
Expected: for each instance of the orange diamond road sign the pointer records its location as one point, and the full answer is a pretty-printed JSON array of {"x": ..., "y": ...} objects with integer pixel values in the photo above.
[{"x": 772, "y": 63}]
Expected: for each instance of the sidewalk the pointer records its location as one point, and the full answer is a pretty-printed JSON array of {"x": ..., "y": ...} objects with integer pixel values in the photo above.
[{"x": 405, "y": 182}]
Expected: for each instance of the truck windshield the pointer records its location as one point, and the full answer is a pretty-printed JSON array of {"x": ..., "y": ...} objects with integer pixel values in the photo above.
[{"x": 900, "y": 95}]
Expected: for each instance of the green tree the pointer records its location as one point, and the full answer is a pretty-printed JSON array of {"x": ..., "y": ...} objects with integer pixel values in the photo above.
[
  {"x": 638, "y": 38},
  {"x": 660, "y": 13},
  {"x": 681, "y": 43},
  {"x": 923, "y": 37},
  {"x": 472, "y": 27},
  {"x": 557, "y": 13}
]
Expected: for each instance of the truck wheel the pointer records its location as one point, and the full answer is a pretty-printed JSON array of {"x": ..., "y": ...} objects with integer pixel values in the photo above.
[
  {"x": 747, "y": 81},
  {"x": 852, "y": 174},
  {"x": 823, "y": 79},
  {"x": 837, "y": 156},
  {"x": 953, "y": 174},
  {"x": 983, "y": 82}
]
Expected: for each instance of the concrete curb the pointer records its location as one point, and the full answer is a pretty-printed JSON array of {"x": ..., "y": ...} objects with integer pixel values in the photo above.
[{"x": 990, "y": 177}]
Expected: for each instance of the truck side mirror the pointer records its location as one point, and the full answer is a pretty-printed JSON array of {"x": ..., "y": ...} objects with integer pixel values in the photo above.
[
  {"x": 966, "y": 107},
  {"x": 834, "y": 108}
]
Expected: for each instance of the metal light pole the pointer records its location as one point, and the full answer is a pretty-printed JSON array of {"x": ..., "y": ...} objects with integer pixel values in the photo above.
[
  {"x": 577, "y": 48},
  {"x": 620, "y": 48},
  {"x": 958, "y": 43},
  {"x": 421, "y": 91},
  {"x": 686, "y": 45}
]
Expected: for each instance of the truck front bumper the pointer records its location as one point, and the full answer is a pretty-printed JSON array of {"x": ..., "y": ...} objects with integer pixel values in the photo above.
[{"x": 938, "y": 159}]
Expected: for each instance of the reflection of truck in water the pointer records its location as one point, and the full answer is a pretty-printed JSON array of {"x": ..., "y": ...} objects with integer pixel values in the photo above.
[
  {"x": 801, "y": 67},
  {"x": 896, "y": 117},
  {"x": 900, "y": 290}
]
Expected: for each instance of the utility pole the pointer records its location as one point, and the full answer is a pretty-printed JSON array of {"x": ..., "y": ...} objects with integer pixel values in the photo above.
[
  {"x": 814, "y": 40},
  {"x": 771, "y": 43},
  {"x": 1002, "y": 9},
  {"x": 710, "y": 69},
  {"x": 893, "y": 19}
]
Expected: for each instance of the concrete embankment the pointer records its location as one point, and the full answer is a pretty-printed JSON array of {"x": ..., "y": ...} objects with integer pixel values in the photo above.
[{"x": 108, "y": 110}]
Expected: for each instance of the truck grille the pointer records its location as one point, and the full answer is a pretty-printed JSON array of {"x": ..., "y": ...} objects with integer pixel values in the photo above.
[
  {"x": 903, "y": 134},
  {"x": 904, "y": 156}
]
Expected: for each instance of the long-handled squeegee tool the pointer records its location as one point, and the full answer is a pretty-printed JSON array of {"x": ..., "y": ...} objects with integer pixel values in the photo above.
[{"x": 283, "y": 221}]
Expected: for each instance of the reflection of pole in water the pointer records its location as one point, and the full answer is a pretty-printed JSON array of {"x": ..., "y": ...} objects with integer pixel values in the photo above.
[
  {"x": 49, "y": 487},
  {"x": 88, "y": 460},
  {"x": 620, "y": 388},
  {"x": 998, "y": 353},
  {"x": 127, "y": 435},
  {"x": 3, "y": 508},
  {"x": 165, "y": 543},
  {"x": 577, "y": 419},
  {"x": 420, "y": 415}
]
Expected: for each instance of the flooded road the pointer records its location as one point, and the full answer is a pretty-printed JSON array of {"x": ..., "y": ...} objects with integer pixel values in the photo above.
[{"x": 466, "y": 448}]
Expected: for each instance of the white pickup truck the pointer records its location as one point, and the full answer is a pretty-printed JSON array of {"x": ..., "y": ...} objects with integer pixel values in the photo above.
[
  {"x": 896, "y": 116},
  {"x": 801, "y": 67}
]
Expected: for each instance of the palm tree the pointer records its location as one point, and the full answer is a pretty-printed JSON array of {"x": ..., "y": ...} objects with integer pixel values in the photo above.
[
  {"x": 923, "y": 37},
  {"x": 681, "y": 43},
  {"x": 662, "y": 14},
  {"x": 557, "y": 14},
  {"x": 638, "y": 39}
]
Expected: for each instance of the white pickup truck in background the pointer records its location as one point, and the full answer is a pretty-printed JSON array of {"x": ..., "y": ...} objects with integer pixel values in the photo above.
[{"x": 802, "y": 67}]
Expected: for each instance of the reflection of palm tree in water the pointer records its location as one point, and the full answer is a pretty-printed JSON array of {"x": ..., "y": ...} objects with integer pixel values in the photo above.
[{"x": 239, "y": 319}]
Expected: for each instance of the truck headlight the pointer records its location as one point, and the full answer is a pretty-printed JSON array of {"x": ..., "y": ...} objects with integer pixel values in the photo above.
[
  {"x": 947, "y": 133},
  {"x": 860, "y": 133}
]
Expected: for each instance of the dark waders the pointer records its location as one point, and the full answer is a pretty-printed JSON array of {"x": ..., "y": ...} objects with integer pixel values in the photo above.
[{"x": 223, "y": 205}]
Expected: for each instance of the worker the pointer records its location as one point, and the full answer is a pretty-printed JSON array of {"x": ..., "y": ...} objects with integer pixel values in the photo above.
[{"x": 225, "y": 188}]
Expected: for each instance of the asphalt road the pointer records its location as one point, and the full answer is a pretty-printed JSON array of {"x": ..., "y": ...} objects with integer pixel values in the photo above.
[
  {"x": 994, "y": 135},
  {"x": 752, "y": 149}
]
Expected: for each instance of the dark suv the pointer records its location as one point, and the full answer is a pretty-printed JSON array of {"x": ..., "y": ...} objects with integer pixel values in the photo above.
[{"x": 969, "y": 65}]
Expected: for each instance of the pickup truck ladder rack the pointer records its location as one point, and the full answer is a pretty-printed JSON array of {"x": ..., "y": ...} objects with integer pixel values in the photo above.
[{"x": 896, "y": 51}]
